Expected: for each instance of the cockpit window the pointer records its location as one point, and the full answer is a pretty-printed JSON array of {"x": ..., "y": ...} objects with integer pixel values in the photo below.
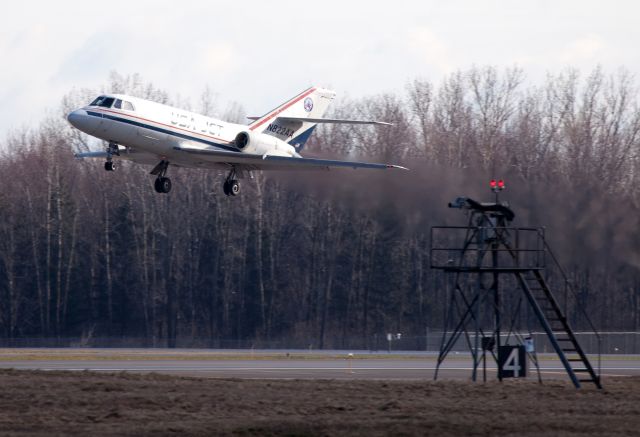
[
  {"x": 97, "y": 101},
  {"x": 123, "y": 104},
  {"x": 103, "y": 101}
]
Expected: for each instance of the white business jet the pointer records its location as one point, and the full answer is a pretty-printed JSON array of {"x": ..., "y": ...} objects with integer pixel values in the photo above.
[{"x": 150, "y": 133}]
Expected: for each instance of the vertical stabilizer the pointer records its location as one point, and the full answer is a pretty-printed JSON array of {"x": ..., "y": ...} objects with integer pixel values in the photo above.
[{"x": 312, "y": 103}]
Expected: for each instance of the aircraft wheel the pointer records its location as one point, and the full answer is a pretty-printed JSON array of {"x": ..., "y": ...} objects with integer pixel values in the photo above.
[
  {"x": 162, "y": 185},
  {"x": 109, "y": 166},
  {"x": 225, "y": 188},
  {"x": 234, "y": 187}
]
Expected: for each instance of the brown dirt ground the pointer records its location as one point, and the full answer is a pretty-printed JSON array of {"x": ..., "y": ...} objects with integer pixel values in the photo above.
[{"x": 36, "y": 403}]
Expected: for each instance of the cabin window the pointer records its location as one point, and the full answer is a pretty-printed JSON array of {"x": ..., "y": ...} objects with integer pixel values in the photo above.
[{"x": 118, "y": 104}]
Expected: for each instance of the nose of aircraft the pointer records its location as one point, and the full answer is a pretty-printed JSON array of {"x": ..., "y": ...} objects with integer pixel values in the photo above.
[{"x": 80, "y": 120}]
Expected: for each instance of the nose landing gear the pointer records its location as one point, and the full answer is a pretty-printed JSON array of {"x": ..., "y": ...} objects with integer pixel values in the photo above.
[{"x": 112, "y": 149}]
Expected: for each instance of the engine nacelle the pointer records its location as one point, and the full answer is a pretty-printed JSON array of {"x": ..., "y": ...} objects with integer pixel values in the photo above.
[{"x": 262, "y": 144}]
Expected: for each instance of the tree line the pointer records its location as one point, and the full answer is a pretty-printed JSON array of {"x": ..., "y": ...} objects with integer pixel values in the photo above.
[{"x": 324, "y": 259}]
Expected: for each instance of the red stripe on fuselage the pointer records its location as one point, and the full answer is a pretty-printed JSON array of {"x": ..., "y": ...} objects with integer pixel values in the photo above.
[{"x": 282, "y": 108}]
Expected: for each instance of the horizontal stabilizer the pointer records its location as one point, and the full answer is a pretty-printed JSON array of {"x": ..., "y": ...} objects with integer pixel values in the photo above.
[
  {"x": 328, "y": 120},
  {"x": 334, "y": 120}
]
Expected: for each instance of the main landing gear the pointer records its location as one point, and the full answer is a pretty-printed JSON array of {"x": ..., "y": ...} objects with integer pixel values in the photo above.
[
  {"x": 231, "y": 186},
  {"x": 112, "y": 149},
  {"x": 162, "y": 183}
]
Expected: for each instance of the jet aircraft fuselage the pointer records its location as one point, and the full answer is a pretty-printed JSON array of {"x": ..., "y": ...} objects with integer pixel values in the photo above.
[{"x": 152, "y": 133}]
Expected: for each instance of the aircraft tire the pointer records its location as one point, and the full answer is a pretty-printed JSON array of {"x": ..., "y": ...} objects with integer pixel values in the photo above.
[
  {"x": 162, "y": 185},
  {"x": 234, "y": 187},
  {"x": 109, "y": 166},
  {"x": 165, "y": 183},
  {"x": 225, "y": 188}
]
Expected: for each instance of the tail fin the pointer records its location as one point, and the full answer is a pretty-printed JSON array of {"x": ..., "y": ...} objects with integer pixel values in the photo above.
[{"x": 287, "y": 121}]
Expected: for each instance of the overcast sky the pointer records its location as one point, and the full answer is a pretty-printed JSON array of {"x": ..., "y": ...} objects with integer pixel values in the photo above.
[{"x": 259, "y": 53}]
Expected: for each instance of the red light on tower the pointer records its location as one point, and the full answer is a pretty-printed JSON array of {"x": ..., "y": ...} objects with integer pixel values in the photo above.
[{"x": 497, "y": 185}]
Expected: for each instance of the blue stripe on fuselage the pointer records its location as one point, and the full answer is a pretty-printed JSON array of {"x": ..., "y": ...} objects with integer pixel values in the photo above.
[{"x": 161, "y": 130}]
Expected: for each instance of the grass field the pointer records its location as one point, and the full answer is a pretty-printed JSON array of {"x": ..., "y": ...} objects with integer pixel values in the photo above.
[{"x": 38, "y": 403}]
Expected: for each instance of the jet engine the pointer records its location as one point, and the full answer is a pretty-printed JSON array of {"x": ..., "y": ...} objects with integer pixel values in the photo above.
[{"x": 262, "y": 144}]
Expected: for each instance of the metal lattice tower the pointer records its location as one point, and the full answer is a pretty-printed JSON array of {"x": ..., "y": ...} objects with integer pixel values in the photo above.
[{"x": 481, "y": 260}]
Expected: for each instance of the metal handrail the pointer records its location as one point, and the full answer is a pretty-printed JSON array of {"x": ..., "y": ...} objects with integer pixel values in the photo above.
[{"x": 471, "y": 245}]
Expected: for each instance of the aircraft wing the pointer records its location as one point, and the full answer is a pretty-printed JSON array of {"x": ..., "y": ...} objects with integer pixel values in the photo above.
[
  {"x": 81, "y": 155},
  {"x": 269, "y": 162}
]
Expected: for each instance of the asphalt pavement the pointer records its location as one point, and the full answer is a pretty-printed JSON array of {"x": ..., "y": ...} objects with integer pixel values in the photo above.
[{"x": 285, "y": 365}]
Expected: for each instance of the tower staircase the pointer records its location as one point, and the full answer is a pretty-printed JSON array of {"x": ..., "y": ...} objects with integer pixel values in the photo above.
[{"x": 554, "y": 322}]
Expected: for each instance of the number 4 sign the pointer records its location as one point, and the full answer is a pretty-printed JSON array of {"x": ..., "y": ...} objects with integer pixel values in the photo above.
[{"x": 512, "y": 362}]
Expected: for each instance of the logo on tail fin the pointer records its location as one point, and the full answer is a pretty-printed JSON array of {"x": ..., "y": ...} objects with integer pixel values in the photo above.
[{"x": 308, "y": 104}]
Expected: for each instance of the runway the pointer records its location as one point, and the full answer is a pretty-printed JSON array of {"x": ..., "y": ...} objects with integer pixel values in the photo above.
[{"x": 283, "y": 364}]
